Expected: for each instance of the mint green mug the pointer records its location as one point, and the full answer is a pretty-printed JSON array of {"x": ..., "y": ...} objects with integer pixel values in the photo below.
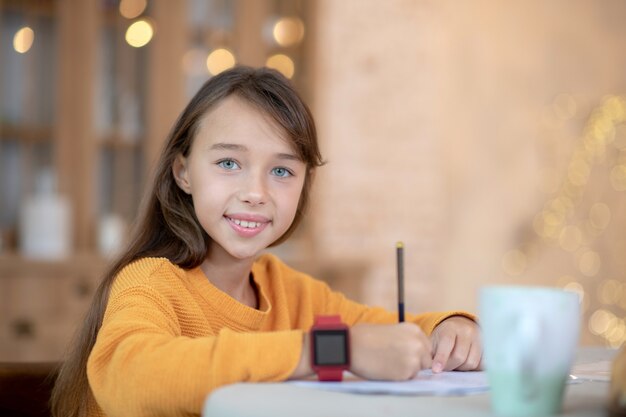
[{"x": 530, "y": 336}]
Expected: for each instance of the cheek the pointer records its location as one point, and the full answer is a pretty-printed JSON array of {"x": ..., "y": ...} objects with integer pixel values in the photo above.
[
  {"x": 209, "y": 198},
  {"x": 294, "y": 199}
]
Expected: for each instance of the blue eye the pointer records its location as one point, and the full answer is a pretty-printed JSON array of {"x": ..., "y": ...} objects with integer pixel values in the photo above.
[
  {"x": 281, "y": 172},
  {"x": 228, "y": 164}
]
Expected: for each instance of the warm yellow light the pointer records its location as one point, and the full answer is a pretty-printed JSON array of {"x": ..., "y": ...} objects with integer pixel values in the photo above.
[
  {"x": 570, "y": 238},
  {"x": 539, "y": 225},
  {"x": 220, "y": 60},
  {"x": 602, "y": 127},
  {"x": 288, "y": 31},
  {"x": 618, "y": 177},
  {"x": 616, "y": 332},
  {"x": 23, "y": 39},
  {"x": 620, "y": 137},
  {"x": 577, "y": 288},
  {"x": 578, "y": 172},
  {"x": 600, "y": 321},
  {"x": 610, "y": 292},
  {"x": 615, "y": 108},
  {"x": 573, "y": 192},
  {"x": 553, "y": 218},
  {"x": 557, "y": 205},
  {"x": 621, "y": 298},
  {"x": 130, "y": 9},
  {"x": 281, "y": 63},
  {"x": 139, "y": 33},
  {"x": 589, "y": 263},
  {"x": 600, "y": 216},
  {"x": 564, "y": 280}
]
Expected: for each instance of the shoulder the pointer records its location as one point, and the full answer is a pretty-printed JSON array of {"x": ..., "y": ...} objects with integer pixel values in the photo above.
[{"x": 146, "y": 272}]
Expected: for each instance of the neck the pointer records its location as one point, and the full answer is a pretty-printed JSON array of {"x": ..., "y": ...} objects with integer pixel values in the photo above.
[{"x": 232, "y": 277}]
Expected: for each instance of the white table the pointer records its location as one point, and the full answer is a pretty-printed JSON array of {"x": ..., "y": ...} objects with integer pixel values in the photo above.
[{"x": 586, "y": 399}]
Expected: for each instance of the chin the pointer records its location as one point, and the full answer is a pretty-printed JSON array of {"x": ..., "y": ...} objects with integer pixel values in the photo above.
[{"x": 245, "y": 254}]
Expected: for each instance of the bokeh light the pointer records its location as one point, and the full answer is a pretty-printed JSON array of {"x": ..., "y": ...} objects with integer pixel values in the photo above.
[
  {"x": 288, "y": 31},
  {"x": 570, "y": 238},
  {"x": 23, "y": 40},
  {"x": 610, "y": 327},
  {"x": 130, "y": 9},
  {"x": 220, "y": 60},
  {"x": 618, "y": 177},
  {"x": 578, "y": 172},
  {"x": 577, "y": 288},
  {"x": 600, "y": 216},
  {"x": 282, "y": 63},
  {"x": 589, "y": 263},
  {"x": 620, "y": 137},
  {"x": 610, "y": 292},
  {"x": 139, "y": 33},
  {"x": 600, "y": 321}
]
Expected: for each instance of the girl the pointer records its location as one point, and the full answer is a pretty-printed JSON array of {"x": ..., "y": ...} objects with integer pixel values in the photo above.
[{"x": 193, "y": 304}]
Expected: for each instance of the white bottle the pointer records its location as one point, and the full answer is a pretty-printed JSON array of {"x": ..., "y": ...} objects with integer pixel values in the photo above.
[
  {"x": 45, "y": 230},
  {"x": 111, "y": 235}
]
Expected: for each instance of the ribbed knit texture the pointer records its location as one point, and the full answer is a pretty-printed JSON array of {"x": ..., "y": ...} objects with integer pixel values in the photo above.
[{"x": 169, "y": 336}]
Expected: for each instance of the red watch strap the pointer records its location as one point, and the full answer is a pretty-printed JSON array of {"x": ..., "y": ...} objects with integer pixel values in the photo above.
[
  {"x": 325, "y": 320},
  {"x": 329, "y": 374}
]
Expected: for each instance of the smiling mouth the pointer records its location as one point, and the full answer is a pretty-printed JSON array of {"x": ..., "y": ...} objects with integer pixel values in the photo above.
[{"x": 246, "y": 224}]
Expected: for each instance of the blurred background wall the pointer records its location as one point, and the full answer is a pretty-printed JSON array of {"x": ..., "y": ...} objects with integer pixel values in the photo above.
[{"x": 487, "y": 136}]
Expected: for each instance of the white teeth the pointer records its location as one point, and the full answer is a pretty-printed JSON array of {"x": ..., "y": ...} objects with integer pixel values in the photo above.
[{"x": 246, "y": 224}]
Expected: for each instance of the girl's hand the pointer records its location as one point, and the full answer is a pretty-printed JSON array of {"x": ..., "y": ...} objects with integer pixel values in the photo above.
[
  {"x": 389, "y": 351},
  {"x": 456, "y": 345}
]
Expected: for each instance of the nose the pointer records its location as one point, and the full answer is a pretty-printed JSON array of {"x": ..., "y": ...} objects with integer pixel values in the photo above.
[{"x": 254, "y": 189}]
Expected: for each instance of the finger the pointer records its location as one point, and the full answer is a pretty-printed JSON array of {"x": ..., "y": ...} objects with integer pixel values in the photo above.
[
  {"x": 473, "y": 360},
  {"x": 459, "y": 354},
  {"x": 444, "y": 348}
]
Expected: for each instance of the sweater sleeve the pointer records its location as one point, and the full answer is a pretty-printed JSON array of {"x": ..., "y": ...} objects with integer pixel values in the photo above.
[{"x": 142, "y": 365}]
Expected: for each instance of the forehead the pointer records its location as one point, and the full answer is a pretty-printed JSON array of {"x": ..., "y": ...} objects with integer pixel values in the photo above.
[{"x": 236, "y": 120}]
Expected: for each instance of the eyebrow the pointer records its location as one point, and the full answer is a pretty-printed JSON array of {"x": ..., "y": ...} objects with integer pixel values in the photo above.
[
  {"x": 227, "y": 147},
  {"x": 234, "y": 147}
]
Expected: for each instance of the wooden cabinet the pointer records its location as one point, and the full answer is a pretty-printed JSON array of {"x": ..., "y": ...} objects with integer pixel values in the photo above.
[
  {"x": 91, "y": 112},
  {"x": 42, "y": 303},
  {"x": 75, "y": 108}
]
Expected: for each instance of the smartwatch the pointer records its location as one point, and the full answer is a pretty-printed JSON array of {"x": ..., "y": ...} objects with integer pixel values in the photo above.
[{"x": 330, "y": 348}]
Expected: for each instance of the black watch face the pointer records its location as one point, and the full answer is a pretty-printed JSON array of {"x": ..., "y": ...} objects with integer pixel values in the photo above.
[{"x": 331, "y": 347}]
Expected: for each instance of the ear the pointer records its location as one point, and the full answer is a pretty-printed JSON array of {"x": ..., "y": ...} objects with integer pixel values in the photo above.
[{"x": 181, "y": 173}]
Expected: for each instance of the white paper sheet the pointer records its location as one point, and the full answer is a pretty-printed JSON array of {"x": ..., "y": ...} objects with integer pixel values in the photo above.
[{"x": 426, "y": 383}]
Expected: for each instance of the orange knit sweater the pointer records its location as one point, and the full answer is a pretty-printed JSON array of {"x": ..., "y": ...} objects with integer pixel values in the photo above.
[{"x": 169, "y": 336}]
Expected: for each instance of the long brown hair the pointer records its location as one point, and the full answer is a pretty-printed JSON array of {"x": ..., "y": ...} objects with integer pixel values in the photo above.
[{"x": 167, "y": 226}]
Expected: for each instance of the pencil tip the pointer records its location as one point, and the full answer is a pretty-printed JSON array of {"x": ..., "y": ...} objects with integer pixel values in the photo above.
[{"x": 399, "y": 245}]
